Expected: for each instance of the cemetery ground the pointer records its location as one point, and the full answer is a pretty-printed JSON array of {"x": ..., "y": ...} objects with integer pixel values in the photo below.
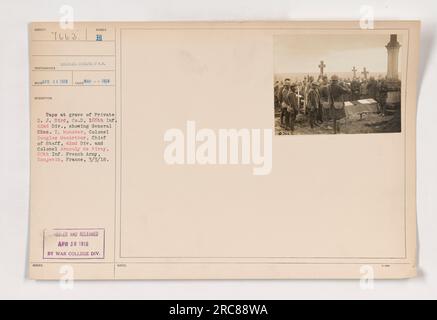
[{"x": 369, "y": 123}]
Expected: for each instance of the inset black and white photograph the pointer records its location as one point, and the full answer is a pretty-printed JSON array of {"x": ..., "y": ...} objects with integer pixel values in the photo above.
[{"x": 337, "y": 83}]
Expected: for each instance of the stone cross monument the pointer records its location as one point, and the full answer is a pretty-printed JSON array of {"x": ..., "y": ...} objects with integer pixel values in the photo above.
[
  {"x": 322, "y": 66},
  {"x": 354, "y": 70},
  {"x": 365, "y": 73}
]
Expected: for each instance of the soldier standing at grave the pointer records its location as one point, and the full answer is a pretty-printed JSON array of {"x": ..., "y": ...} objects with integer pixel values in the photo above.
[
  {"x": 303, "y": 93},
  {"x": 324, "y": 98},
  {"x": 307, "y": 89},
  {"x": 292, "y": 107},
  {"x": 336, "y": 101},
  {"x": 320, "y": 109},
  {"x": 372, "y": 89},
  {"x": 382, "y": 96},
  {"x": 363, "y": 90},
  {"x": 282, "y": 99},
  {"x": 276, "y": 96},
  {"x": 313, "y": 103},
  {"x": 355, "y": 88}
]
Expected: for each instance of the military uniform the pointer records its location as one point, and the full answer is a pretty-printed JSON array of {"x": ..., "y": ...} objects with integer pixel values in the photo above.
[
  {"x": 283, "y": 99},
  {"x": 363, "y": 90},
  {"x": 276, "y": 91},
  {"x": 372, "y": 89},
  {"x": 292, "y": 110},
  {"x": 336, "y": 102},
  {"x": 382, "y": 92},
  {"x": 355, "y": 88},
  {"x": 324, "y": 99},
  {"x": 313, "y": 105}
]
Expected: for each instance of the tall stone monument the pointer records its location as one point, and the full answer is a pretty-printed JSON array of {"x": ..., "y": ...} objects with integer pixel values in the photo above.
[
  {"x": 393, "y": 80},
  {"x": 393, "y": 58}
]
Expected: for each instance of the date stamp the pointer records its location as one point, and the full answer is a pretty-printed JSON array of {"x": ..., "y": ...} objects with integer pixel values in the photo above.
[{"x": 74, "y": 243}]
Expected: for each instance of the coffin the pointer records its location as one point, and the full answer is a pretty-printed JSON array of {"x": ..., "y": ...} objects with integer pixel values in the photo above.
[{"x": 355, "y": 109}]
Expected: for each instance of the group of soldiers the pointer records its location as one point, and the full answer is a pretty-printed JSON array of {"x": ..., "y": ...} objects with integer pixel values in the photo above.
[{"x": 323, "y": 100}]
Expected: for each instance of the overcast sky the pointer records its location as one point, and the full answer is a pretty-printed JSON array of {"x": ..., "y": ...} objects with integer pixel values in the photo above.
[{"x": 303, "y": 53}]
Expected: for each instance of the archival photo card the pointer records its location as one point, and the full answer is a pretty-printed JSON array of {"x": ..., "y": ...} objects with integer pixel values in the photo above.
[
  {"x": 160, "y": 150},
  {"x": 337, "y": 83}
]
